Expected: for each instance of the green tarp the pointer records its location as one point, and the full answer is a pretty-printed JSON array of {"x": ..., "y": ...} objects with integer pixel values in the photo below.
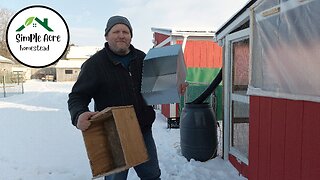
[{"x": 199, "y": 79}]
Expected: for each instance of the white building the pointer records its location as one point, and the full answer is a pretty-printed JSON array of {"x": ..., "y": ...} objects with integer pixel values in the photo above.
[{"x": 69, "y": 69}]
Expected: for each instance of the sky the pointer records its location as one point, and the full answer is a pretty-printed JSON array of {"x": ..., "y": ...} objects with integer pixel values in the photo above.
[
  {"x": 39, "y": 142},
  {"x": 87, "y": 19}
]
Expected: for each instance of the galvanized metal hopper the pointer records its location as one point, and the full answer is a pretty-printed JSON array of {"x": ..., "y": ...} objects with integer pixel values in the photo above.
[{"x": 164, "y": 71}]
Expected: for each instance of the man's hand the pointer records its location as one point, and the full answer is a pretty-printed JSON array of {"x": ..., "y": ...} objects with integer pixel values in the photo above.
[
  {"x": 83, "y": 120},
  {"x": 183, "y": 88}
]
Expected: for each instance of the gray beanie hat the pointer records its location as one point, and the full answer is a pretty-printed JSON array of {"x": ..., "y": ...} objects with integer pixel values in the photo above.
[{"x": 117, "y": 20}]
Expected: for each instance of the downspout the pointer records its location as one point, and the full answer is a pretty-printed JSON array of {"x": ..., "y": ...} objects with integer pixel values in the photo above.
[{"x": 184, "y": 42}]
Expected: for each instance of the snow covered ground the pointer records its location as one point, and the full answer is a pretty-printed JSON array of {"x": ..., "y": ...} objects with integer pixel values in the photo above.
[{"x": 38, "y": 142}]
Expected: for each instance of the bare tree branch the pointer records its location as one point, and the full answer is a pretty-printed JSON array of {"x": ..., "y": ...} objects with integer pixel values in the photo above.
[{"x": 5, "y": 15}]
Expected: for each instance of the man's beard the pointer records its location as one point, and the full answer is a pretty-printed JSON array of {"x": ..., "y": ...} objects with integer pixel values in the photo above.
[{"x": 120, "y": 51}]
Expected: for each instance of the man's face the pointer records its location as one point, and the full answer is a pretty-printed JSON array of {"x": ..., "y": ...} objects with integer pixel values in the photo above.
[{"x": 119, "y": 39}]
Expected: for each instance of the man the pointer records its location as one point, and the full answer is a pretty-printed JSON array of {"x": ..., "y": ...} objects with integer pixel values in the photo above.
[{"x": 112, "y": 77}]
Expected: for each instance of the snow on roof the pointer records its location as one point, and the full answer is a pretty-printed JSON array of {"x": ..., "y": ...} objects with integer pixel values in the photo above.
[
  {"x": 82, "y": 52},
  {"x": 69, "y": 63},
  {"x": 184, "y": 31},
  {"x": 5, "y": 60}
]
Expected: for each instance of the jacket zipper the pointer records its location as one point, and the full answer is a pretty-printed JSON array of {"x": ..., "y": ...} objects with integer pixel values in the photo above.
[{"x": 136, "y": 101}]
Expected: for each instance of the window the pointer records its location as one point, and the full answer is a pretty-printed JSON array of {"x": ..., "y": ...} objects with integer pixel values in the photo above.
[
  {"x": 240, "y": 105},
  {"x": 68, "y": 71},
  {"x": 236, "y": 100}
]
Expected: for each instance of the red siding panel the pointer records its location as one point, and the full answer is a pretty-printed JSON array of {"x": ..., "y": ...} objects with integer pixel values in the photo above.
[
  {"x": 284, "y": 139},
  {"x": 311, "y": 142},
  {"x": 198, "y": 53},
  {"x": 277, "y": 150},
  {"x": 235, "y": 163},
  {"x": 254, "y": 137},
  {"x": 160, "y": 37},
  {"x": 217, "y": 55},
  {"x": 240, "y": 166},
  {"x": 264, "y": 139},
  {"x": 165, "y": 110},
  {"x": 202, "y": 54},
  {"x": 293, "y": 140}
]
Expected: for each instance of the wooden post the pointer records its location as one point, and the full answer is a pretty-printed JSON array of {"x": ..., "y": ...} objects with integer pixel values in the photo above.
[{"x": 4, "y": 85}]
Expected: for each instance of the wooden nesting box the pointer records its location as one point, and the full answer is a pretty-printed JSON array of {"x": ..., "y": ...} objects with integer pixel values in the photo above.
[{"x": 114, "y": 141}]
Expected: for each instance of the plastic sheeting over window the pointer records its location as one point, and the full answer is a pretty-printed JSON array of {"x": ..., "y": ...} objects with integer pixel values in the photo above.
[{"x": 285, "y": 59}]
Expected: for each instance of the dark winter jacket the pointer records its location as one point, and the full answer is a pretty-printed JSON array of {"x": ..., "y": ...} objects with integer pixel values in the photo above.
[{"x": 110, "y": 84}]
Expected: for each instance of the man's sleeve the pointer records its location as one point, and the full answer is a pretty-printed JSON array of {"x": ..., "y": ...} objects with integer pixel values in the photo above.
[{"x": 82, "y": 91}]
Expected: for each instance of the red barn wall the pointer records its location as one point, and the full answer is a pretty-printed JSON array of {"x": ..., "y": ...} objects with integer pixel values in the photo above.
[
  {"x": 160, "y": 37},
  {"x": 284, "y": 139},
  {"x": 202, "y": 54}
]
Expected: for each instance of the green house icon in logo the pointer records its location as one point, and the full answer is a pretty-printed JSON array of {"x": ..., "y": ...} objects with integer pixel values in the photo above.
[{"x": 29, "y": 21}]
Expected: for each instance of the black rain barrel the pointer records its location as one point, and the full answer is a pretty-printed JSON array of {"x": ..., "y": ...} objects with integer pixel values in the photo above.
[{"x": 198, "y": 132}]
